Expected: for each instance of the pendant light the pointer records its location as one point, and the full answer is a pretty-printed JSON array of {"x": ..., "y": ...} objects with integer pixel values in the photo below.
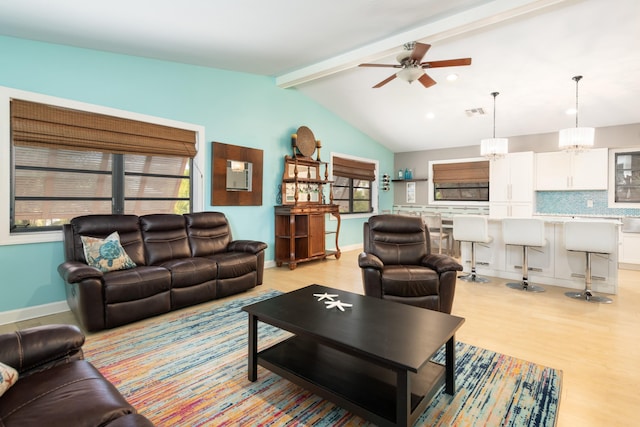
[
  {"x": 494, "y": 148},
  {"x": 577, "y": 138}
]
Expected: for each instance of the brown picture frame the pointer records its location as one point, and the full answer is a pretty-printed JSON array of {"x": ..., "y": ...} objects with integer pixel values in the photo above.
[{"x": 220, "y": 196}]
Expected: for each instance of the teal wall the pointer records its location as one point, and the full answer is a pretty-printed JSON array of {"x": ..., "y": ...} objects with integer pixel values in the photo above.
[{"x": 235, "y": 108}]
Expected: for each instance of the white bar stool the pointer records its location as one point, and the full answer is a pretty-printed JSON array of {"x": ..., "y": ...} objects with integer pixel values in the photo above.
[
  {"x": 591, "y": 237},
  {"x": 525, "y": 232},
  {"x": 473, "y": 229}
]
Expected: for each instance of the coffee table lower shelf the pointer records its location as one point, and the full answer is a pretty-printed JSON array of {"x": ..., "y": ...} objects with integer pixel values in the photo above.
[{"x": 353, "y": 383}]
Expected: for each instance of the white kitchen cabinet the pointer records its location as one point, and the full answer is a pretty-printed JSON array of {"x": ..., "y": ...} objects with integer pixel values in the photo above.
[
  {"x": 630, "y": 248},
  {"x": 509, "y": 209},
  {"x": 511, "y": 185},
  {"x": 568, "y": 170}
]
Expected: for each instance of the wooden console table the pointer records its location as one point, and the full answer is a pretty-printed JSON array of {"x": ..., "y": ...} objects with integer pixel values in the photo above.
[{"x": 300, "y": 233}]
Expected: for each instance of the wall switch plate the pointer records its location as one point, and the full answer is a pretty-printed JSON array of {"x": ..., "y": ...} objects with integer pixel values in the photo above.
[{"x": 589, "y": 203}]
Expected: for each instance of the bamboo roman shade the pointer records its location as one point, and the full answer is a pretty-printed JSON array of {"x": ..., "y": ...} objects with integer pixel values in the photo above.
[
  {"x": 348, "y": 168},
  {"x": 445, "y": 173},
  {"x": 41, "y": 125}
]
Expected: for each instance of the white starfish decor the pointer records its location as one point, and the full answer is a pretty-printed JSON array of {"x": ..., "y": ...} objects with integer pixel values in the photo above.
[
  {"x": 326, "y": 296},
  {"x": 339, "y": 304}
]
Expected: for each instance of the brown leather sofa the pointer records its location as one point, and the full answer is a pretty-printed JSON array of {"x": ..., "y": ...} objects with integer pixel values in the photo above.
[
  {"x": 180, "y": 260},
  {"x": 397, "y": 264},
  {"x": 56, "y": 387}
]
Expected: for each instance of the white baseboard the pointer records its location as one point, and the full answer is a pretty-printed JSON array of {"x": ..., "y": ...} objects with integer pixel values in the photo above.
[
  {"x": 27, "y": 313},
  {"x": 357, "y": 246}
]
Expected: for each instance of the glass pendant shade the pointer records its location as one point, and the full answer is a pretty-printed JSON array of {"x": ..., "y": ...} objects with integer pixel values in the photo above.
[
  {"x": 576, "y": 138},
  {"x": 494, "y": 147},
  {"x": 409, "y": 74}
]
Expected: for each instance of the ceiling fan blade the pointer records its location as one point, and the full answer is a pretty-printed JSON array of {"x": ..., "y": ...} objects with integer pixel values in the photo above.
[
  {"x": 426, "y": 80},
  {"x": 446, "y": 63},
  {"x": 381, "y": 65},
  {"x": 385, "y": 81},
  {"x": 419, "y": 51}
]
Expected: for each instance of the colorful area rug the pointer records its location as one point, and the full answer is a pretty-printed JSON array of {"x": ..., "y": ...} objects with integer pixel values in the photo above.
[{"x": 189, "y": 368}]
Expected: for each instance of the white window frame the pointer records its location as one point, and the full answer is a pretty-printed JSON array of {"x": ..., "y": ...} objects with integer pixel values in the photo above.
[
  {"x": 374, "y": 185},
  {"x": 6, "y": 94},
  {"x": 432, "y": 201}
]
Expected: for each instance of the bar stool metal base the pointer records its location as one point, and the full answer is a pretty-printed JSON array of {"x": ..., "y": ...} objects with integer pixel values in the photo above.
[
  {"x": 589, "y": 297},
  {"x": 586, "y": 294},
  {"x": 473, "y": 277},
  {"x": 524, "y": 286}
]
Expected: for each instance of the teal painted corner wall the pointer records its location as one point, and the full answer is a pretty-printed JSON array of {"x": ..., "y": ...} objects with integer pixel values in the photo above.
[{"x": 235, "y": 108}]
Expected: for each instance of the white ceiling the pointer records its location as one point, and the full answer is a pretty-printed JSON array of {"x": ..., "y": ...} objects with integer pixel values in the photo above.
[{"x": 528, "y": 50}]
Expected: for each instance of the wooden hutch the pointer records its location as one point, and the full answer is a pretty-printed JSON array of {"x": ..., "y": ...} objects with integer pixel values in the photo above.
[{"x": 301, "y": 218}]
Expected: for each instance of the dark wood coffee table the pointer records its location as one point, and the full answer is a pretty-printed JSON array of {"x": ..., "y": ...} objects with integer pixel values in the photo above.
[{"x": 372, "y": 359}]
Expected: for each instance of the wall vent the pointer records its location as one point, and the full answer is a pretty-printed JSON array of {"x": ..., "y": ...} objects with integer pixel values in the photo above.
[{"x": 475, "y": 112}]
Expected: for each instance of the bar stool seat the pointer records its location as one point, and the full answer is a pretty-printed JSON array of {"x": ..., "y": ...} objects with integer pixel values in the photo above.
[
  {"x": 525, "y": 232},
  {"x": 473, "y": 229},
  {"x": 590, "y": 237}
]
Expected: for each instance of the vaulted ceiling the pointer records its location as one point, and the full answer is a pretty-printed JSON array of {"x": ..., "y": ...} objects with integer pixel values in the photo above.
[{"x": 527, "y": 50}]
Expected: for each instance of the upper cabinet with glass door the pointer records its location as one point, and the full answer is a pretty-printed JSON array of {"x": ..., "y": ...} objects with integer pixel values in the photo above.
[{"x": 627, "y": 177}]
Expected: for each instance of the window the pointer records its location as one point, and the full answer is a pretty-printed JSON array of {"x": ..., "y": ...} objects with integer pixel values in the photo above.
[
  {"x": 68, "y": 163},
  {"x": 65, "y": 159},
  {"x": 51, "y": 186},
  {"x": 627, "y": 177},
  {"x": 464, "y": 181},
  {"x": 353, "y": 185}
]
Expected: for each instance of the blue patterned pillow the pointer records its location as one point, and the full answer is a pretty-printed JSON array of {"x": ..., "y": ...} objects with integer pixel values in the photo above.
[
  {"x": 106, "y": 254},
  {"x": 8, "y": 377}
]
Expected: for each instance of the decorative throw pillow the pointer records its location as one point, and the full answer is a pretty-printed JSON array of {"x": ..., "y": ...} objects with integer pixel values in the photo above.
[
  {"x": 106, "y": 254},
  {"x": 8, "y": 377}
]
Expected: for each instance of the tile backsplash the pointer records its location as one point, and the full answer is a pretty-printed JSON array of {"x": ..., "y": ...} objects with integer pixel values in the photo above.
[{"x": 577, "y": 203}]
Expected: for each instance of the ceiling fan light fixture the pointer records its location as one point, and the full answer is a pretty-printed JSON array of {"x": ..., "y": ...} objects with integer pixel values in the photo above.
[
  {"x": 410, "y": 73},
  {"x": 577, "y": 138},
  {"x": 494, "y": 148}
]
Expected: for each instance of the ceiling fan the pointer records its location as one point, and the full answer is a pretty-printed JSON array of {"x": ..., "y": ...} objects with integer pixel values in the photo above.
[{"x": 412, "y": 69}]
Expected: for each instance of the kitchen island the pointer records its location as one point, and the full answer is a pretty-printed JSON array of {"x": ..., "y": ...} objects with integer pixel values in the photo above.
[{"x": 550, "y": 265}]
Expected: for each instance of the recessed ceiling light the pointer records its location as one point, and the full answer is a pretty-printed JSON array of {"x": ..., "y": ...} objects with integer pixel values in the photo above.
[
  {"x": 571, "y": 112},
  {"x": 452, "y": 77},
  {"x": 430, "y": 116}
]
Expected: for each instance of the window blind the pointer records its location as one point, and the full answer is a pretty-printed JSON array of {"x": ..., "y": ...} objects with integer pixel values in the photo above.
[
  {"x": 444, "y": 173},
  {"x": 41, "y": 125},
  {"x": 354, "y": 169}
]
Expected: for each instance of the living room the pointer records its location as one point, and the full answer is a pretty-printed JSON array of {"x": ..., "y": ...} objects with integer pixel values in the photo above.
[{"x": 250, "y": 110}]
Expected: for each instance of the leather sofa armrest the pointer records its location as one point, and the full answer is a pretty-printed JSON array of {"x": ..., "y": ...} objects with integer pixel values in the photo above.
[
  {"x": 131, "y": 420},
  {"x": 250, "y": 246},
  {"x": 38, "y": 348},
  {"x": 366, "y": 260},
  {"x": 441, "y": 263},
  {"x": 74, "y": 271}
]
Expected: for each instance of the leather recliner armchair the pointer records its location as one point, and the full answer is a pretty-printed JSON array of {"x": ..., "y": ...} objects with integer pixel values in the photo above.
[{"x": 397, "y": 264}]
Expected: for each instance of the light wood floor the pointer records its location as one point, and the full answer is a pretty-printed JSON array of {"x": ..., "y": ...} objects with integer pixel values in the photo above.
[{"x": 597, "y": 347}]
